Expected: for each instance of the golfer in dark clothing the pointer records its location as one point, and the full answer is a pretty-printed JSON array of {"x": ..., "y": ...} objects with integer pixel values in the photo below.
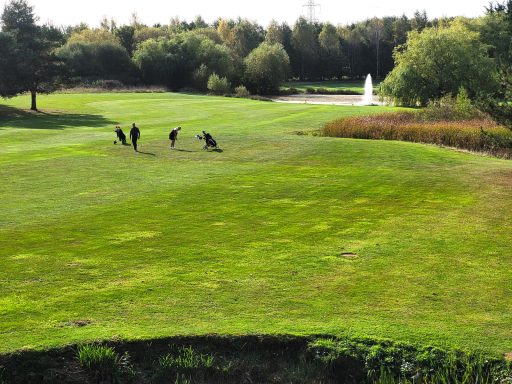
[
  {"x": 173, "y": 136},
  {"x": 134, "y": 136}
]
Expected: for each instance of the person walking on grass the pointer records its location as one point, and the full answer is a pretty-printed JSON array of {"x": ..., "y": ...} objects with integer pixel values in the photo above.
[
  {"x": 173, "y": 136},
  {"x": 134, "y": 136}
]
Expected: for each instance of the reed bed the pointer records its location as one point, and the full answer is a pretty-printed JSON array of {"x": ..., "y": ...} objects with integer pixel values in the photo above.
[{"x": 479, "y": 134}]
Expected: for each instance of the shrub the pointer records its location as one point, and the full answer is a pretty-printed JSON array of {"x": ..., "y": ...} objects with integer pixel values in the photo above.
[
  {"x": 219, "y": 85},
  {"x": 388, "y": 362},
  {"x": 452, "y": 108},
  {"x": 107, "y": 84},
  {"x": 325, "y": 91},
  {"x": 242, "y": 92},
  {"x": 102, "y": 362},
  {"x": 289, "y": 91}
]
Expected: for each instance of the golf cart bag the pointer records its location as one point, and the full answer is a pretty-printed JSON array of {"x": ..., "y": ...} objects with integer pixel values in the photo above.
[
  {"x": 209, "y": 140},
  {"x": 120, "y": 135}
]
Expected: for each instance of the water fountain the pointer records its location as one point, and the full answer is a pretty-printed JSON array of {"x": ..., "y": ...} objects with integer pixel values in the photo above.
[{"x": 368, "y": 91}]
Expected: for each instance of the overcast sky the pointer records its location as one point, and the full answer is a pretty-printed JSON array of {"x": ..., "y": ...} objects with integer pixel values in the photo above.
[{"x": 161, "y": 11}]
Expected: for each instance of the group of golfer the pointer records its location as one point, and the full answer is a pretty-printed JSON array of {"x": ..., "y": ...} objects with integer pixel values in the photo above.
[{"x": 135, "y": 136}]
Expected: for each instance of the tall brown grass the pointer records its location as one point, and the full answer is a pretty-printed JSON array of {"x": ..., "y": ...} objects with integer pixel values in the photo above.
[{"x": 479, "y": 134}]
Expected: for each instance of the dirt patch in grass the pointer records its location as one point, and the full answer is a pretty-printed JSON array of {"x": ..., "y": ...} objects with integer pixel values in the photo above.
[
  {"x": 508, "y": 356},
  {"x": 77, "y": 323},
  {"x": 74, "y": 264},
  {"x": 349, "y": 255}
]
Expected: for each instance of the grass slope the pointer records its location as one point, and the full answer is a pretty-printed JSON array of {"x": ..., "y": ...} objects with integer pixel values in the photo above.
[{"x": 245, "y": 241}]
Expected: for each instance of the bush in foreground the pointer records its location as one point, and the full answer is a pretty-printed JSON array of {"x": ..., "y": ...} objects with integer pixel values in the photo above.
[
  {"x": 386, "y": 362},
  {"x": 258, "y": 359}
]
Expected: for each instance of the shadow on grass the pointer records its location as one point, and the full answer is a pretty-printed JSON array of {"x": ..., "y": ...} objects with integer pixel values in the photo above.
[
  {"x": 146, "y": 153},
  {"x": 11, "y": 117}
]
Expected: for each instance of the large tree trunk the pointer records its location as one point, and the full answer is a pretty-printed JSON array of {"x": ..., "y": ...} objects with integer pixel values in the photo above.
[{"x": 34, "y": 101}]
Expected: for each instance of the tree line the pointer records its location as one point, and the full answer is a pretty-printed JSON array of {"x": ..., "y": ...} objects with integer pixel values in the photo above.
[
  {"x": 424, "y": 58},
  {"x": 185, "y": 54}
]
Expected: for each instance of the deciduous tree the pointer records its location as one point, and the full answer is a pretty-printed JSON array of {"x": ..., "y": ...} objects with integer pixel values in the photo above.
[
  {"x": 266, "y": 67},
  {"x": 437, "y": 62}
]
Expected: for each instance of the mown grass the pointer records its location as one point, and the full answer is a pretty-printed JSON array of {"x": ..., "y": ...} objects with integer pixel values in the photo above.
[
  {"x": 277, "y": 234},
  {"x": 476, "y": 134}
]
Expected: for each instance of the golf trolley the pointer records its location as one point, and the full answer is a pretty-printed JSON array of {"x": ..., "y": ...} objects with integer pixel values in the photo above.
[{"x": 208, "y": 139}]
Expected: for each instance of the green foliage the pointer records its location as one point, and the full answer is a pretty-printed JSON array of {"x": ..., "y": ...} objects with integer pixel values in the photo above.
[
  {"x": 348, "y": 87},
  {"x": 242, "y": 92},
  {"x": 266, "y": 68},
  {"x": 32, "y": 65},
  {"x": 183, "y": 60},
  {"x": 437, "y": 62},
  {"x": 144, "y": 33},
  {"x": 451, "y": 108},
  {"x": 186, "y": 360},
  {"x": 104, "y": 60},
  {"x": 330, "y": 51},
  {"x": 214, "y": 56},
  {"x": 185, "y": 364},
  {"x": 219, "y": 85},
  {"x": 496, "y": 30},
  {"x": 245, "y": 37},
  {"x": 275, "y": 33},
  {"x": 8, "y": 84},
  {"x": 126, "y": 34},
  {"x": 305, "y": 43},
  {"x": 200, "y": 77},
  {"x": 102, "y": 362},
  {"x": 388, "y": 362}
]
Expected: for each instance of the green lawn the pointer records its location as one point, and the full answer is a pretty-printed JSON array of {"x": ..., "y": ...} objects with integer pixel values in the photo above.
[
  {"x": 248, "y": 240},
  {"x": 356, "y": 86}
]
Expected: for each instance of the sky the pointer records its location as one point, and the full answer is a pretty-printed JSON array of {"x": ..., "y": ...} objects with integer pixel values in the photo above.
[{"x": 70, "y": 12}]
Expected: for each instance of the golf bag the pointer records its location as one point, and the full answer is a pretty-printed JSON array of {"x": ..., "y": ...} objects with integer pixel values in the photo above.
[
  {"x": 120, "y": 135},
  {"x": 208, "y": 139}
]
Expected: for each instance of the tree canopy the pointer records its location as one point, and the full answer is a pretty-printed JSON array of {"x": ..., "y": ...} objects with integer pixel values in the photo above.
[
  {"x": 31, "y": 64},
  {"x": 439, "y": 61},
  {"x": 266, "y": 67}
]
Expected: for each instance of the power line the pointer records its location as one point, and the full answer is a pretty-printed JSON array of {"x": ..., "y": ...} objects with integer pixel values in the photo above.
[{"x": 311, "y": 7}]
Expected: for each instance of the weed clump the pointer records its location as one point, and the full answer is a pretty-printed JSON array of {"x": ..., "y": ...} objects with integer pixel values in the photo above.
[
  {"x": 184, "y": 364},
  {"x": 103, "y": 363}
]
